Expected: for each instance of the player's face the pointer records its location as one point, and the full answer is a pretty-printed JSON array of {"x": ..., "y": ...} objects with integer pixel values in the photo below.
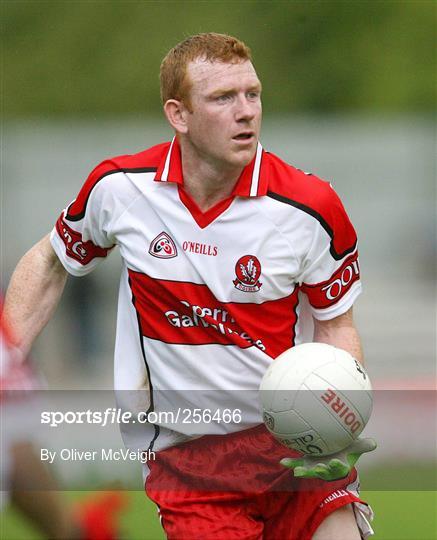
[{"x": 225, "y": 119}]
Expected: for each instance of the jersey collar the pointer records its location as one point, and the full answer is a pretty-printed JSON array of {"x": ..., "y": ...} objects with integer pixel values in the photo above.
[{"x": 253, "y": 180}]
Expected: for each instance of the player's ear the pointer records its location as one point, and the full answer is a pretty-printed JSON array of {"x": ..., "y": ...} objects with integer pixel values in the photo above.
[{"x": 176, "y": 113}]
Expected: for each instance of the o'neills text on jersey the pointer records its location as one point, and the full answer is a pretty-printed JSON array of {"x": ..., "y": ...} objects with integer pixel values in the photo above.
[
  {"x": 202, "y": 249},
  {"x": 335, "y": 495}
]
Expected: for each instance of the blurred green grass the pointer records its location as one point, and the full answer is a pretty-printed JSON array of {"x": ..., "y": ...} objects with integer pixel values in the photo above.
[{"x": 399, "y": 515}]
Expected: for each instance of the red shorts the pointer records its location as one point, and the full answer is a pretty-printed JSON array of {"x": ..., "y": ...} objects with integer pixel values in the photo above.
[{"x": 232, "y": 487}]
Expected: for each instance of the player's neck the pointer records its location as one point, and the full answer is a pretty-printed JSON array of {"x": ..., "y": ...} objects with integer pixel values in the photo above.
[{"x": 205, "y": 182}]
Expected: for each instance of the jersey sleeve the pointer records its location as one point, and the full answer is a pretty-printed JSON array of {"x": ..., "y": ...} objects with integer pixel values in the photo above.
[
  {"x": 331, "y": 271},
  {"x": 82, "y": 235}
]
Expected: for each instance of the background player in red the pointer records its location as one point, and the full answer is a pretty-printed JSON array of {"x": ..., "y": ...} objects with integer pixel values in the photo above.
[
  {"x": 26, "y": 482},
  {"x": 212, "y": 186}
]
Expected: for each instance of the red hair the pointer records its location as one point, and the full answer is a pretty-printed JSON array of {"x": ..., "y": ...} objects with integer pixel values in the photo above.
[{"x": 210, "y": 46}]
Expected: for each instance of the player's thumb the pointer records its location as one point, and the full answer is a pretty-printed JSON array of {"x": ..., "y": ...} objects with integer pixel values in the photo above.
[
  {"x": 361, "y": 446},
  {"x": 291, "y": 463}
]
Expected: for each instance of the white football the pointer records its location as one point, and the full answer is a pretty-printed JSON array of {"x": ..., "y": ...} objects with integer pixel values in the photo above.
[{"x": 316, "y": 398}]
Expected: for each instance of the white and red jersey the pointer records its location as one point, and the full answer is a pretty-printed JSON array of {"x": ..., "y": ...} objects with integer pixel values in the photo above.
[{"x": 208, "y": 299}]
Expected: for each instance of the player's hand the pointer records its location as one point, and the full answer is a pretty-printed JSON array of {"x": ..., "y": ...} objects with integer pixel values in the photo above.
[{"x": 333, "y": 467}]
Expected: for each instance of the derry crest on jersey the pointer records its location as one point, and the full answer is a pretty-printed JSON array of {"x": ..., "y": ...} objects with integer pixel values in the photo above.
[{"x": 248, "y": 271}]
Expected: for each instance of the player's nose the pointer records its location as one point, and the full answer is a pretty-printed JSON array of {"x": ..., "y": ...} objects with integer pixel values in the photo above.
[{"x": 244, "y": 109}]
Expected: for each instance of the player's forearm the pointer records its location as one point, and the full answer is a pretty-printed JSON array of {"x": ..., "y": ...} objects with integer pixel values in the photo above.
[
  {"x": 340, "y": 332},
  {"x": 33, "y": 293}
]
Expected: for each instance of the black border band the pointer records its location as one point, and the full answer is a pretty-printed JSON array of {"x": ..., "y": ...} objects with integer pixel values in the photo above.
[
  {"x": 81, "y": 215},
  {"x": 319, "y": 218}
]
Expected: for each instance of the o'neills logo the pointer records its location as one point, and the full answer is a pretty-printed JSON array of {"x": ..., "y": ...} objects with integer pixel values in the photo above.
[
  {"x": 202, "y": 249},
  {"x": 248, "y": 270},
  {"x": 163, "y": 247}
]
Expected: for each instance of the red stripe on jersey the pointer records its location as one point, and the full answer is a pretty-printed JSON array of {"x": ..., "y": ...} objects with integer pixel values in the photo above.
[
  {"x": 146, "y": 161},
  {"x": 249, "y": 175},
  {"x": 75, "y": 247},
  {"x": 174, "y": 164},
  {"x": 188, "y": 313},
  {"x": 323, "y": 295},
  {"x": 317, "y": 198}
]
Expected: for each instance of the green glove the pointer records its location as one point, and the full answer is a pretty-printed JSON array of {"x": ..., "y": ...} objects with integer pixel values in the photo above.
[{"x": 333, "y": 467}]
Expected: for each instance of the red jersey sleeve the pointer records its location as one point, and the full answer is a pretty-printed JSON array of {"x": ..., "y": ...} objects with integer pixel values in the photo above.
[
  {"x": 331, "y": 272},
  {"x": 82, "y": 234}
]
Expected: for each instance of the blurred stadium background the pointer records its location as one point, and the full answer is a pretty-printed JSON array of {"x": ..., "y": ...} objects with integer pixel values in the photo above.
[{"x": 349, "y": 94}]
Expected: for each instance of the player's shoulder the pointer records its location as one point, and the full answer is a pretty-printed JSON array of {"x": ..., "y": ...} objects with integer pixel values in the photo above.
[
  {"x": 109, "y": 176},
  {"x": 313, "y": 198},
  {"x": 299, "y": 189},
  {"x": 141, "y": 162}
]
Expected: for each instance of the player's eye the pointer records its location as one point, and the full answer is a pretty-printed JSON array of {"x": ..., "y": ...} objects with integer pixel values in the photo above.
[
  {"x": 223, "y": 98},
  {"x": 253, "y": 95}
]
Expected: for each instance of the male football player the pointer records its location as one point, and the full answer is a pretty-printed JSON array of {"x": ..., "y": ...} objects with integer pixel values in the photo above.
[{"x": 221, "y": 244}]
